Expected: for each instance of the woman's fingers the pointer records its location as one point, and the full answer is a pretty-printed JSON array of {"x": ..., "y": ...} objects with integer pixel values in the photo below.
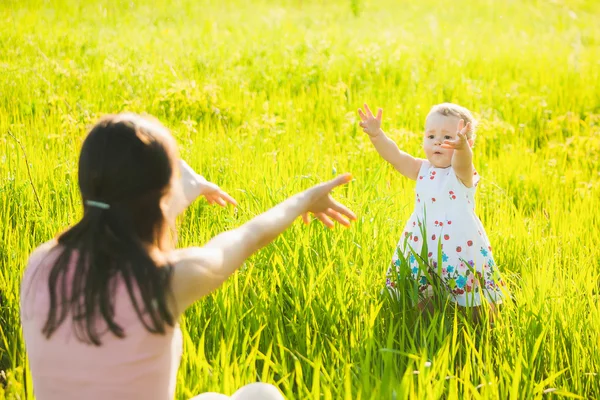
[
  {"x": 342, "y": 209},
  {"x": 325, "y": 220},
  {"x": 337, "y": 216},
  {"x": 324, "y": 206},
  {"x": 221, "y": 202},
  {"x": 225, "y": 196},
  {"x": 338, "y": 181},
  {"x": 327, "y": 216},
  {"x": 305, "y": 218},
  {"x": 221, "y": 198}
]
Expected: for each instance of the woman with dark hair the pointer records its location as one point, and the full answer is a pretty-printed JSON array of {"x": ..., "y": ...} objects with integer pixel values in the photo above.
[{"x": 100, "y": 303}]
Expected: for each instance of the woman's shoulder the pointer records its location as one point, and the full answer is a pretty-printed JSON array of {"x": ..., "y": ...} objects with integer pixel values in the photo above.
[
  {"x": 35, "y": 270},
  {"x": 40, "y": 254},
  {"x": 43, "y": 250}
]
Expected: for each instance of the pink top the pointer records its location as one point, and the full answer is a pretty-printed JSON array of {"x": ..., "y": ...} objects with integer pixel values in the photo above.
[{"x": 140, "y": 366}]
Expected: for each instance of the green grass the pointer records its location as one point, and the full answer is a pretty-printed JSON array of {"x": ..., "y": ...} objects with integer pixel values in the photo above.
[{"x": 262, "y": 99}]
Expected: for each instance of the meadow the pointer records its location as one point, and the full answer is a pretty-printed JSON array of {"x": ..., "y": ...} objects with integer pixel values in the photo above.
[{"x": 262, "y": 98}]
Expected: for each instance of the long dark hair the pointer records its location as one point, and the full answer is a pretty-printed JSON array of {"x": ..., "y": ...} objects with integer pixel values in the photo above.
[{"x": 126, "y": 163}]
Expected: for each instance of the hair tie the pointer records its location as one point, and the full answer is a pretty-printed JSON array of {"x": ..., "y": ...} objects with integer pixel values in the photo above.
[{"x": 97, "y": 204}]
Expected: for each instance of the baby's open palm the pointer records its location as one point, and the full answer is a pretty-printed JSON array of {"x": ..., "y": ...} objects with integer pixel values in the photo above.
[
  {"x": 370, "y": 124},
  {"x": 461, "y": 142}
]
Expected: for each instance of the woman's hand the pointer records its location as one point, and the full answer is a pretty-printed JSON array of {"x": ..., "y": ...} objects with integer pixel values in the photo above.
[
  {"x": 215, "y": 195},
  {"x": 194, "y": 185},
  {"x": 324, "y": 207}
]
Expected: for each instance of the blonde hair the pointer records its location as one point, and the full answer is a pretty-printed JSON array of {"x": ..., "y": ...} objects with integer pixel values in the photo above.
[{"x": 454, "y": 110}]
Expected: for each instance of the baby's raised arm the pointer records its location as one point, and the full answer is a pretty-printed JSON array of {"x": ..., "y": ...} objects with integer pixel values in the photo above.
[
  {"x": 462, "y": 159},
  {"x": 404, "y": 163}
]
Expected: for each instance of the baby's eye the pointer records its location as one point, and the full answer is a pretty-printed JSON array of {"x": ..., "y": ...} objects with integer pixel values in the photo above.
[
  {"x": 447, "y": 137},
  {"x": 431, "y": 136}
]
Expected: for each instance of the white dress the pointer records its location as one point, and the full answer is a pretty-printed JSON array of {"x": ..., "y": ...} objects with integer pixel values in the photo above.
[{"x": 456, "y": 260}]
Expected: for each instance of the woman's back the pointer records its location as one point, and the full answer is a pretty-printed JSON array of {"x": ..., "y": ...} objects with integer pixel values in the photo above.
[
  {"x": 140, "y": 365},
  {"x": 99, "y": 306}
]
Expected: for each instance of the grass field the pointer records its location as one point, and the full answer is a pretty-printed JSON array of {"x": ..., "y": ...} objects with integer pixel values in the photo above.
[{"x": 262, "y": 99}]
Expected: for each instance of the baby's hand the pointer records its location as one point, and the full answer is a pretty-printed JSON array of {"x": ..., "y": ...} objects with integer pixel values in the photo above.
[
  {"x": 370, "y": 125},
  {"x": 461, "y": 142}
]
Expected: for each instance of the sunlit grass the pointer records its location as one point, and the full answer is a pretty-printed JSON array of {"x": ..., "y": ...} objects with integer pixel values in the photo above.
[{"x": 262, "y": 99}]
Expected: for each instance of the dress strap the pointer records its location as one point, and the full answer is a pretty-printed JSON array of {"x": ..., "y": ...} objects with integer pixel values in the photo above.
[{"x": 425, "y": 165}]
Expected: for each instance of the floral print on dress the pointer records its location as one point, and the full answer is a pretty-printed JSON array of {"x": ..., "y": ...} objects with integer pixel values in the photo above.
[{"x": 454, "y": 257}]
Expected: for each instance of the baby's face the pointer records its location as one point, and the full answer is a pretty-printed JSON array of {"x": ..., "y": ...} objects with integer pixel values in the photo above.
[{"x": 437, "y": 129}]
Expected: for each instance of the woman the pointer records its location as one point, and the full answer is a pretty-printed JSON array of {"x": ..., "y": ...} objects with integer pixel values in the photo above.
[{"x": 100, "y": 304}]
